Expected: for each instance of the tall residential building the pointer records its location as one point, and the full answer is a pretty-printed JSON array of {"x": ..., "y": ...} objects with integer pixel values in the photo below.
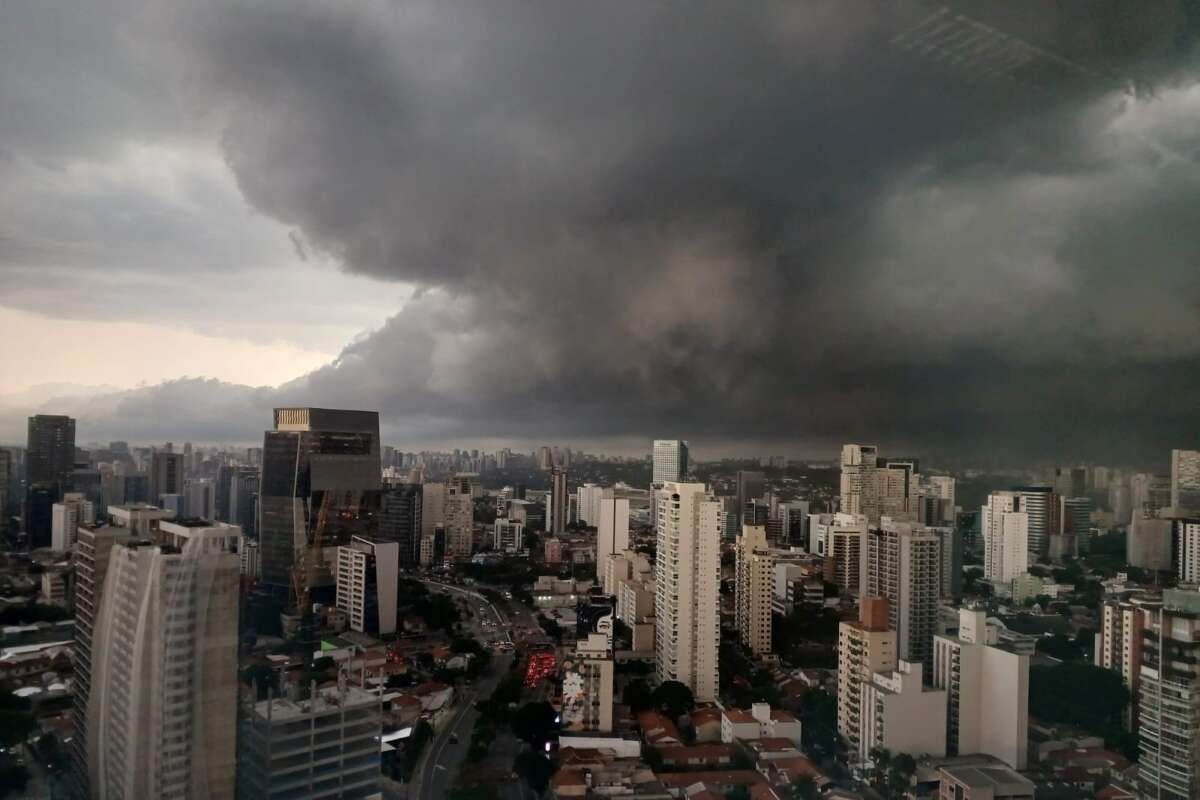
[
  {"x": 1040, "y": 504},
  {"x": 323, "y": 746},
  {"x": 1148, "y": 542},
  {"x": 201, "y": 498},
  {"x": 670, "y": 460},
  {"x": 65, "y": 519},
  {"x": 1005, "y": 527},
  {"x": 368, "y": 580},
  {"x": 508, "y": 535},
  {"x": 793, "y": 517},
  {"x": 988, "y": 691},
  {"x": 1186, "y": 535},
  {"x": 50, "y": 450},
  {"x": 400, "y": 520},
  {"x": 1185, "y": 481},
  {"x": 312, "y": 452},
  {"x": 751, "y": 485},
  {"x": 460, "y": 516},
  {"x": 166, "y": 475},
  {"x": 865, "y": 647},
  {"x": 433, "y": 507},
  {"x": 904, "y": 565},
  {"x": 6, "y": 481},
  {"x": 937, "y": 500},
  {"x": 588, "y": 499},
  {"x": 900, "y": 714},
  {"x": 952, "y": 561},
  {"x": 687, "y": 587},
  {"x": 587, "y": 692},
  {"x": 612, "y": 530},
  {"x": 91, "y": 558},
  {"x": 754, "y": 567},
  {"x": 842, "y": 539},
  {"x": 556, "y": 502},
  {"x": 1074, "y": 528},
  {"x": 162, "y": 713},
  {"x": 858, "y": 484},
  {"x": 38, "y": 514},
  {"x": 896, "y": 488},
  {"x": 1118, "y": 643},
  {"x": 1150, "y": 492},
  {"x": 1169, "y": 701}
]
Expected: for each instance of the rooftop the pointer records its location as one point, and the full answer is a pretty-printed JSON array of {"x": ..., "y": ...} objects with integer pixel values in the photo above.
[{"x": 281, "y": 709}]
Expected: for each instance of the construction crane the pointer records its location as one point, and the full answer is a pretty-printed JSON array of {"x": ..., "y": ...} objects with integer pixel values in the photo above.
[{"x": 308, "y": 560}]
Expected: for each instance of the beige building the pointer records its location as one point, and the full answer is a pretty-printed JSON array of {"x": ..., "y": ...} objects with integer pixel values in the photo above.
[
  {"x": 162, "y": 712},
  {"x": 858, "y": 483},
  {"x": 900, "y": 714},
  {"x": 988, "y": 689},
  {"x": 1005, "y": 529},
  {"x": 687, "y": 587},
  {"x": 983, "y": 782},
  {"x": 904, "y": 565},
  {"x": 1169, "y": 701},
  {"x": 864, "y": 648},
  {"x": 1119, "y": 641},
  {"x": 460, "y": 517},
  {"x": 754, "y": 566},
  {"x": 588, "y": 687}
]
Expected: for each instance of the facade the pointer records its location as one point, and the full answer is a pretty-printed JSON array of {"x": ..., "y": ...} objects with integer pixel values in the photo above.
[
  {"x": 612, "y": 529},
  {"x": 321, "y": 747},
  {"x": 751, "y": 485},
  {"x": 1118, "y": 645},
  {"x": 65, "y": 519},
  {"x": 937, "y": 499},
  {"x": 1186, "y": 534},
  {"x": 952, "y": 561},
  {"x": 670, "y": 461},
  {"x": 1005, "y": 528},
  {"x": 687, "y": 587},
  {"x": 310, "y": 453},
  {"x": 166, "y": 475},
  {"x": 460, "y": 516},
  {"x": 162, "y": 711},
  {"x": 556, "y": 502},
  {"x": 1185, "y": 481},
  {"x": 243, "y": 499},
  {"x": 368, "y": 579},
  {"x": 842, "y": 539},
  {"x": 588, "y": 686},
  {"x": 865, "y": 647},
  {"x": 900, "y": 714},
  {"x": 1150, "y": 492},
  {"x": 904, "y": 565},
  {"x": 754, "y": 571},
  {"x": 793, "y": 518},
  {"x": 6, "y": 481},
  {"x": 1040, "y": 504},
  {"x": 987, "y": 687},
  {"x": 1169, "y": 701},
  {"x": 508, "y": 536},
  {"x": 400, "y": 521},
  {"x": 858, "y": 485}
]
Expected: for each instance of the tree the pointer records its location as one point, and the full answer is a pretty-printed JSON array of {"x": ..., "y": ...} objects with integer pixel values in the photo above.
[
  {"x": 1061, "y": 647},
  {"x": 637, "y": 696},
  {"x": 535, "y": 768},
  {"x": 16, "y": 719},
  {"x": 673, "y": 699},
  {"x": 818, "y": 715},
  {"x": 1077, "y": 693},
  {"x": 899, "y": 775},
  {"x": 535, "y": 723}
]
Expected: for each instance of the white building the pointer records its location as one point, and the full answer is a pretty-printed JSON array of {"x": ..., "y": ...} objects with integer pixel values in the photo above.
[
  {"x": 1187, "y": 549},
  {"x": 1005, "y": 528},
  {"x": 508, "y": 535},
  {"x": 1185, "y": 481},
  {"x": 760, "y": 722},
  {"x": 368, "y": 579},
  {"x": 843, "y": 538},
  {"x": 588, "y": 497},
  {"x": 901, "y": 715},
  {"x": 865, "y": 647},
  {"x": 201, "y": 498},
  {"x": 65, "y": 519},
  {"x": 670, "y": 460},
  {"x": 858, "y": 484},
  {"x": 162, "y": 713},
  {"x": 687, "y": 586},
  {"x": 1120, "y": 639},
  {"x": 988, "y": 689},
  {"x": 612, "y": 529},
  {"x": 754, "y": 566}
]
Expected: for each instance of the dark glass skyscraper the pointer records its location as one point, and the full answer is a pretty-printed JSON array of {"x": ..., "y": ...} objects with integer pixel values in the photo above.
[
  {"x": 50, "y": 456},
  {"x": 401, "y": 521},
  {"x": 312, "y": 452}
]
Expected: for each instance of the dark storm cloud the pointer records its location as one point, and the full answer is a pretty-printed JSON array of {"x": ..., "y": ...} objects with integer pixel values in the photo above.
[{"x": 725, "y": 221}]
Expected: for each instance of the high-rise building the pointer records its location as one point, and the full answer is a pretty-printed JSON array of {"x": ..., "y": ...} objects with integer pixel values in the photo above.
[
  {"x": 162, "y": 711},
  {"x": 556, "y": 502},
  {"x": 587, "y": 692},
  {"x": 904, "y": 565},
  {"x": 1005, "y": 527},
  {"x": 754, "y": 566},
  {"x": 243, "y": 500},
  {"x": 612, "y": 530},
  {"x": 687, "y": 587},
  {"x": 312, "y": 452},
  {"x": 38, "y": 514},
  {"x": 433, "y": 507},
  {"x": 858, "y": 484},
  {"x": 6, "y": 481},
  {"x": 66, "y": 517},
  {"x": 751, "y": 485},
  {"x": 92, "y": 555},
  {"x": 545, "y": 458},
  {"x": 1186, "y": 535},
  {"x": 166, "y": 475},
  {"x": 988, "y": 691},
  {"x": 670, "y": 460},
  {"x": 952, "y": 561},
  {"x": 1119, "y": 641},
  {"x": 508, "y": 535},
  {"x": 900, "y": 714},
  {"x": 588, "y": 499},
  {"x": 1074, "y": 528},
  {"x": 897, "y": 488},
  {"x": 1150, "y": 492},
  {"x": 50, "y": 450},
  {"x": 1169, "y": 701},
  {"x": 937, "y": 500},
  {"x": 460, "y": 516},
  {"x": 1185, "y": 481},
  {"x": 865, "y": 647},
  {"x": 1148, "y": 542},
  {"x": 842, "y": 539},
  {"x": 324, "y": 745},
  {"x": 201, "y": 498},
  {"x": 368, "y": 579},
  {"x": 401, "y": 519},
  {"x": 1040, "y": 504},
  {"x": 793, "y": 517}
]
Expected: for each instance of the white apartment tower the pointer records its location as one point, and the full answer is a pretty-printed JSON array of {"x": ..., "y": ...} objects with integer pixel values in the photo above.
[
  {"x": 858, "y": 484},
  {"x": 587, "y": 500},
  {"x": 612, "y": 528},
  {"x": 368, "y": 579},
  {"x": 65, "y": 519},
  {"x": 162, "y": 714},
  {"x": 754, "y": 566},
  {"x": 1005, "y": 527},
  {"x": 670, "y": 460},
  {"x": 687, "y": 587},
  {"x": 865, "y": 647},
  {"x": 1119, "y": 642},
  {"x": 904, "y": 564},
  {"x": 988, "y": 691}
]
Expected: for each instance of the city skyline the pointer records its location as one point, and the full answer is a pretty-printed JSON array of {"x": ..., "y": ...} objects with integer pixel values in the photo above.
[{"x": 615, "y": 247}]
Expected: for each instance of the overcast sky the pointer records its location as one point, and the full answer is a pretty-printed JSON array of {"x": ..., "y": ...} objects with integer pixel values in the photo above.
[{"x": 764, "y": 227}]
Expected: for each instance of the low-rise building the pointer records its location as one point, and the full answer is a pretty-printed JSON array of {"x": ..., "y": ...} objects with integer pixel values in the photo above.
[
  {"x": 760, "y": 722},
  {"x": 901, "y": 715}
]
